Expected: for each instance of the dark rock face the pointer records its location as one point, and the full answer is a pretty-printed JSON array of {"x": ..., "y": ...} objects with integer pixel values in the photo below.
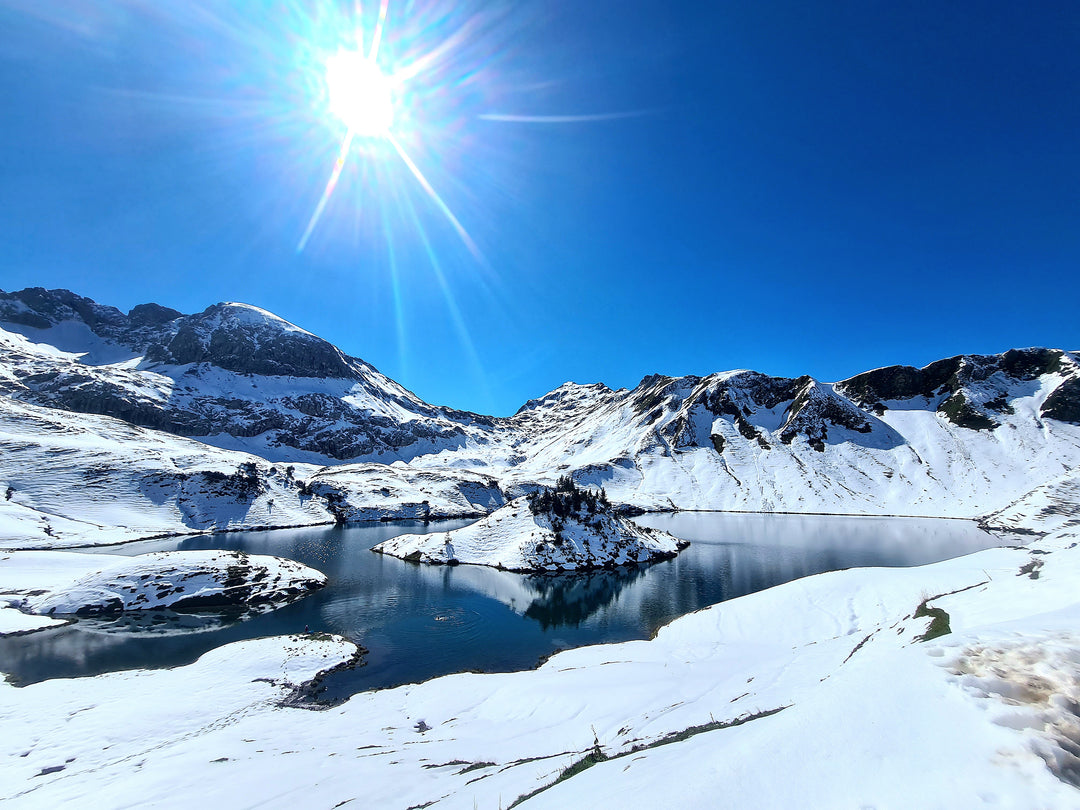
[
  {"x": 811, "y": 408},
  {"x": 41, "y": 308},
  {"x": 1029, "y": 364},
  {"x": 899, "y": 382},
  {"x": 226, "y": 336},
  {"x": 962, "y": 413},
  {"x": 967, "y": 394},
  {"x": 1064, "y": 403},
  {"x": 152, "y": 315},
  {"x": 814, "y": 410},
  {"x": 235, "y": 338}
]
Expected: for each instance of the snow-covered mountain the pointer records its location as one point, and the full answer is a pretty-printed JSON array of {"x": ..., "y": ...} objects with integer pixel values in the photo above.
[
  {"x": 961, "y": 437},
  {"x": 233, "y": 375},
  {"x": 975, "y": 434}
]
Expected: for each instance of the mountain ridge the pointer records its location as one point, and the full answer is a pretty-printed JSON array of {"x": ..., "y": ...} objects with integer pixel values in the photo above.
[{"x": 960, "y": 437}]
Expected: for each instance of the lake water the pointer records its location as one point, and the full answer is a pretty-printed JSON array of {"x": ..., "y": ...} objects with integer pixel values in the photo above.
[{"x": 421, "y": 621}]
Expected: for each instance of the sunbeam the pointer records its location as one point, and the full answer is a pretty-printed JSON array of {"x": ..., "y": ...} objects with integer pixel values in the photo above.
[
  {"x": 376, "y": 38},
  {"x": 331, "y": 184},
  {"x": 395, "y": 290},
  {"x": 563, "y": 119},
  {"x": 436, "y": 199},
  {"x": 451, "y": 303}
]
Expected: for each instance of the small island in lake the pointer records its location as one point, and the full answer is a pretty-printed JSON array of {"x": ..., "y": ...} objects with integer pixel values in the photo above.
[
  {"x": 51, "y": 583},
  {"x": 562, "y": 529}
]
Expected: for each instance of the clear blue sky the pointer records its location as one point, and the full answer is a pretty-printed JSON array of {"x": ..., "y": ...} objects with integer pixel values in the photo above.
[{"x": 793, "y": 187}]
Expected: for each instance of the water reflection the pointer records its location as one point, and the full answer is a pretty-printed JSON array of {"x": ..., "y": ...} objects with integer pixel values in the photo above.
[
  {"x": 571, "y": 600},
  {"x": 422, "y": 621},
  {"x": 164, "y": 622}
]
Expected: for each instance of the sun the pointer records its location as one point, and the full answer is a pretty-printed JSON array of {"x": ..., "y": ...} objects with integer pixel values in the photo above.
[
  {"x": 375, "y": 105},
  {"x": 359, "y": 94}
]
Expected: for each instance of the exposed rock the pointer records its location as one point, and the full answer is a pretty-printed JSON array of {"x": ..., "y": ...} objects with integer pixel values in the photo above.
[
  {"x": 968, "y": 389},
  {"x": 182, "y": 580},
  {"x": 1064, "y": 402}
]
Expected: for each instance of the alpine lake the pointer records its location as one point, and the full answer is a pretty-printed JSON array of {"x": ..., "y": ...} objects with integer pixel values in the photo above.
[{"x": 419, "y": 622}]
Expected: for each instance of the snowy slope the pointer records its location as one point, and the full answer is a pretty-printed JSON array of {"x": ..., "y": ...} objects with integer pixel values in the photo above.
[
  {"x": 829, "y": 681},
  {"x": 73, "y": 479},
  {"x": 515, "y": 539},
  {"x": 1051, "y": 507},
  {"x": 961, "y": 437},
  {"x": 234, "y": 375},
  {"x": 399, "y": 492},
  {"x": 744, "y": 441}
]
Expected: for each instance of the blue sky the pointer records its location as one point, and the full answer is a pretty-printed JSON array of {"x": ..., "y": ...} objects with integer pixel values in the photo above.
[{"x": 793, "y": 187}]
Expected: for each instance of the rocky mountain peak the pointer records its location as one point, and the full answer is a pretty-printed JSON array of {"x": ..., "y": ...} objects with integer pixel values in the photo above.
[
  {"x": 249, "y": 340},
  {"x": 40, "y": 308},
  {"x": 568, "y": 394},
  {"x": 152, "y": 315},
  {"x": 970, "y": 390}
]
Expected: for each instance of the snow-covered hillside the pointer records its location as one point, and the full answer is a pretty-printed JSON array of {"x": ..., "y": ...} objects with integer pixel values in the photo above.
[
  {"x": 72, "y": 479},
  {"x": 233, "y": 375},
  {"x": 744, "y": 441},
  {"x": 69, "y": 479},
  {"x": 961, "y": 437},
  {"x": 1053, "y": 506}
]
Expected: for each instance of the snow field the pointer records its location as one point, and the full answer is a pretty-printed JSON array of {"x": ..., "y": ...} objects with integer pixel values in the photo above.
[{"x": 868, "y": 715}]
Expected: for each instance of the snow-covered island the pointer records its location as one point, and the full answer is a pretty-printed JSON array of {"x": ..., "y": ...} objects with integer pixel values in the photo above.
[
  {"x": 560, "y": 529},
  {"x": 51, "y": 583}
]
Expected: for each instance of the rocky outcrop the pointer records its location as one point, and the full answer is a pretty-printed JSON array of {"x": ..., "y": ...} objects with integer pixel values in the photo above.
[
  {"x": 970, "y": 390},
  {"x": 1063, "y": 403},
  {"x": 182, "y": 580}
]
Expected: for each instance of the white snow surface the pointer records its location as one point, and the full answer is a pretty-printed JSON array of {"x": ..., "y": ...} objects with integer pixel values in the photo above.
[
  {"x": 1049, "y": 507},
  {"x": 399, "y": 492},
  {"x": 59, "y": 582},
  {"x": 75, "y": 479},
  {"x": 823, "y": 680},
  {"x": 515, "y": 539},
  {"x": 69, "y": 479},
  {"x": 13, "y": 622}
]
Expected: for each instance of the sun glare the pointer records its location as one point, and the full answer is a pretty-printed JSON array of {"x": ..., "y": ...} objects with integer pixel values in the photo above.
[
  {"x": 360, "y": 95},
  {"x": 375, "y": 106}
]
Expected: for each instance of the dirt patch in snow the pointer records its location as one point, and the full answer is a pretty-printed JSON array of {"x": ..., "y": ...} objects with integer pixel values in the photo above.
[{"x": 1036, "y": 681}]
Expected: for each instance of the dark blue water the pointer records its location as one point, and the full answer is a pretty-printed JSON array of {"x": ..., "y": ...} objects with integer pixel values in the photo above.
[{"x": 420, "y": 621}]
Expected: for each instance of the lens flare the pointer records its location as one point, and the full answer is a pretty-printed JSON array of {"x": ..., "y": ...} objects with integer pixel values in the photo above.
[
  {"x": 378, "y": 107},
  {"x": 359, "y": 94}
]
